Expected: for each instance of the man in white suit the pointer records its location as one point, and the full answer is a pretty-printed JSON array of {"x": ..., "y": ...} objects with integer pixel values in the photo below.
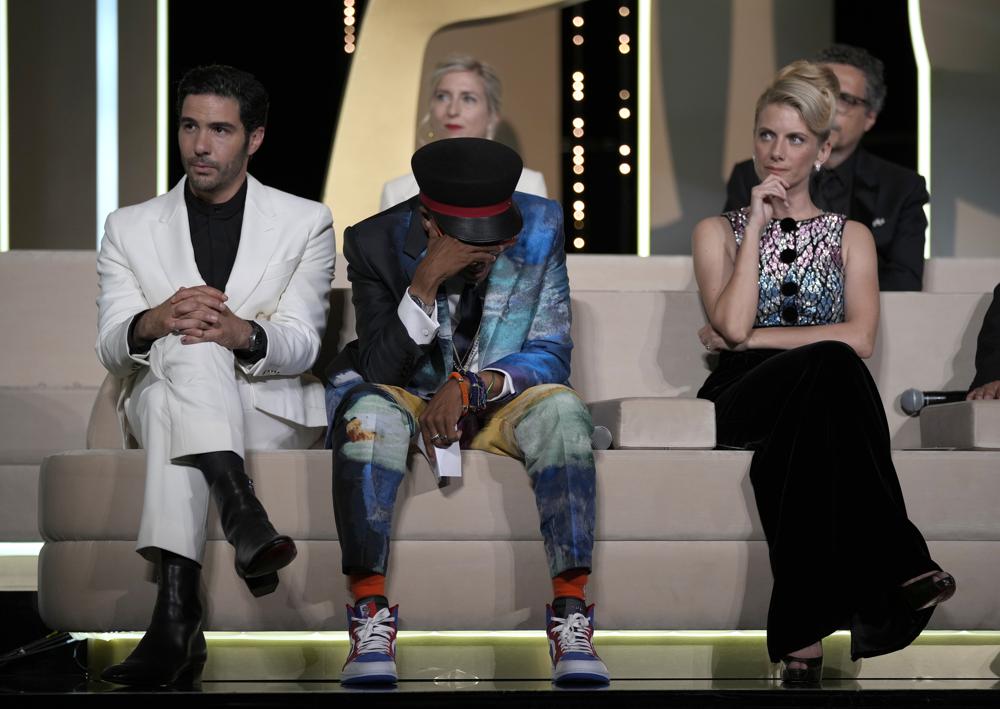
[{"x": 212, "y": 303}]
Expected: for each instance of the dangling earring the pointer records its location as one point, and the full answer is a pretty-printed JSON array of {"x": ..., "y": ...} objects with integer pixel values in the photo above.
[{"x": 818, "y": 165}]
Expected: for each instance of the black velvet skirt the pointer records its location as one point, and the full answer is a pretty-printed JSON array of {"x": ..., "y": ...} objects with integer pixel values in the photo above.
[{"x": 827, "y": 494}]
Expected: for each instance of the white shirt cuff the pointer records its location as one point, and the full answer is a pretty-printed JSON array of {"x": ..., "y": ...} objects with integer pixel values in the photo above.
[
  {"x": 421, "y": 327},
  {"x": 508, "y": 385}
]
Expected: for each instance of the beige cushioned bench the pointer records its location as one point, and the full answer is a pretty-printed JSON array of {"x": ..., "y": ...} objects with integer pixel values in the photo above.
[{"x": 671, "y": 512}]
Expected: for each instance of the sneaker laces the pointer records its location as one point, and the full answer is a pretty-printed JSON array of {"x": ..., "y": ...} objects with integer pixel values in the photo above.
[
  {"x": 374, "y": 633},
  {"x": 574, "y": 633}
]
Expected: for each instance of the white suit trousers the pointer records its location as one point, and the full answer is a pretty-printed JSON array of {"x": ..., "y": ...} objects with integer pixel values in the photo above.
[{"x": 191, "y": 400}]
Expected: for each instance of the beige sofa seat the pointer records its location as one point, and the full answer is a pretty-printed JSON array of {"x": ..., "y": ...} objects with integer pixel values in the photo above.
[
  {"x": 965, "y": 425},
  {"x": 615, "y": 272},
  {"x": 49, "y": 375},
  {"x": 683, "y": 521}
]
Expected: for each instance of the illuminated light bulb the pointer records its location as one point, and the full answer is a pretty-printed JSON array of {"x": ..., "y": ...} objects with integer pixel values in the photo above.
[
  {"x": 577, "y": 76},
  {"x": 578, "y": 123},
  {"x": 578, "y": 132},
  {"x": 623, "y": 48},
  {"x": 578, "y": 39},
  {"x": 624, "y": 94},
  {"x": 578, "y": 169},
  {"x": 578, "y": 187},
  {"x": 624, "y": 150},
  {"x": 578, "y": 96},
  {"x": 579, "y": 243},
  {"x": 578, "y": 215},
  {"x": 578, "y": 21},
  {"x": 578, "y": 205},
  {"x": 624, "y": 112},
  {"x": 578, "y": 150},
  {"x": 624, "y": 168},
  {"x": 623, "y": 11}
]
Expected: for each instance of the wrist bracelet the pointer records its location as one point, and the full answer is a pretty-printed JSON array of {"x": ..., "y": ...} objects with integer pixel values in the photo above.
[
  {"x": 428, "y": 309},
  {"x": 463, "y": 387}
]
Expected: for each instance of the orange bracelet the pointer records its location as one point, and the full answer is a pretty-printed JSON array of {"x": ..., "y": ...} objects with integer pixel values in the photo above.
[{"x": 463, "y": 386}]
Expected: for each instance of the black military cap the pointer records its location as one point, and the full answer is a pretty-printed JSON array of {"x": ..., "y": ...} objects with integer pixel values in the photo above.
[{"x": 467, "y": 184}]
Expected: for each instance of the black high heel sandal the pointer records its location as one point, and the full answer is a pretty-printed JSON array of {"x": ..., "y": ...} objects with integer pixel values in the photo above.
[
  {"x": 930, "y": 590},
  {"x": 809, "y": 676}
]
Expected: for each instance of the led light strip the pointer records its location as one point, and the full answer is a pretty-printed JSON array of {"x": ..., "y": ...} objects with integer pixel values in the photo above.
[
  {"x": 923, "y": 61},
  {"x": 20, "y": 548},
  {"x": 162, "y": 98},
  {"x": 4, "y": 134},
  {"x": 932, "y": 636},
  {"x": 643, "y": 87},
  {"x": 107, "y": 112}
]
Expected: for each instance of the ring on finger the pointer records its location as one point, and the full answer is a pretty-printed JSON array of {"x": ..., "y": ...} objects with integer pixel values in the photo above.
[{"x": 436, "y": 436}]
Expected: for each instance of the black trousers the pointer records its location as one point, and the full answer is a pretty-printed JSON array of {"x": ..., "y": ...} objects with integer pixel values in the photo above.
[{"x": 827, "y": 494}]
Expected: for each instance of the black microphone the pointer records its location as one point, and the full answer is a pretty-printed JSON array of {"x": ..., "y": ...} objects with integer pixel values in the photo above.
[{"x": 912, "y": 400}]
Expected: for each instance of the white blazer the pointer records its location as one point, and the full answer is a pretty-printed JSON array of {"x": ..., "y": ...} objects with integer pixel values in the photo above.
[
  {"x": 405, "y": 186},
  {"x": 281, "y": 278}
]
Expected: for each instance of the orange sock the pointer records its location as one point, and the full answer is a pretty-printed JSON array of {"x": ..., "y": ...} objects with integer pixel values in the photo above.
[
  {"x": 364, "y": 585},
  {"x": 570, "y": 583}
]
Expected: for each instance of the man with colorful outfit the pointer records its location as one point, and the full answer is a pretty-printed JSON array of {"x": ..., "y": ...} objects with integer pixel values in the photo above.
[{"x": 463, "y": 318}]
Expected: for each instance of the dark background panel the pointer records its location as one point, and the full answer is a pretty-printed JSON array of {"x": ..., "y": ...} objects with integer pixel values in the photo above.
[{"x": 296, "y": 49}]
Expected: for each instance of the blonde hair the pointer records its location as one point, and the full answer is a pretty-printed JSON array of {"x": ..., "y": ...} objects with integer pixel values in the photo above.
[
  {"x": 463, "y": 62},
  {"x": 809, "y": 88}
]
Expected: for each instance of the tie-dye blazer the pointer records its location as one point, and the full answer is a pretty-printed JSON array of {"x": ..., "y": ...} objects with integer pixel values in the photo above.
[{"x": 526, "y": 313}]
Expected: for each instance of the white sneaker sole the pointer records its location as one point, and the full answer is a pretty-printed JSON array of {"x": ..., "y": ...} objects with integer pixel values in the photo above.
[
  {"x": 581, "y": 671},
  {"x": 369, "y": 673}
]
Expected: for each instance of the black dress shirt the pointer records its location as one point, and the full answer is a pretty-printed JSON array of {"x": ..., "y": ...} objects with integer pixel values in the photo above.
[{"x": 215, "y": 235}]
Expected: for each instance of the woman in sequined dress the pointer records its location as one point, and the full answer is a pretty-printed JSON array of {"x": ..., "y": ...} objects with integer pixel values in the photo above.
[{"x": 791, "y": 295}]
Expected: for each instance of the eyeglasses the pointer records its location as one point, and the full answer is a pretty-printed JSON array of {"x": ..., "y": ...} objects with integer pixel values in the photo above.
[
  {"x": 789, "y": 288},
  {"x": 851, "y": 101}
]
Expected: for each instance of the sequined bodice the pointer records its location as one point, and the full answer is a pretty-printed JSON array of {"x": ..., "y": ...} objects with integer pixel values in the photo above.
[{"x": 801, "y": 269}]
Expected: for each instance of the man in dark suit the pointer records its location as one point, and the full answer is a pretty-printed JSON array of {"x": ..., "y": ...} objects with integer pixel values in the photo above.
[
  {"x": 986, "y": 385},
  {"x": 463, "y": 317},
  {"x": 885, "y": 197}
]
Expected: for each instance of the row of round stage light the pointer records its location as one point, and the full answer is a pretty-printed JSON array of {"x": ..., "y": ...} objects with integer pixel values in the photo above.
[
  {"x": 624, "y": 113},
  {"x": 350, "y": 20}
]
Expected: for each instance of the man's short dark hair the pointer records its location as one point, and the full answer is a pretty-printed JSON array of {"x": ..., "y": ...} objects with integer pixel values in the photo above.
[
  {"x": 227, "y": 81},
  {"x": 859, "y": 58}
]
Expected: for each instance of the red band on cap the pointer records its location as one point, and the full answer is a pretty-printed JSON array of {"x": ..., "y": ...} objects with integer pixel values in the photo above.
[{"x": 450, "y": 210}]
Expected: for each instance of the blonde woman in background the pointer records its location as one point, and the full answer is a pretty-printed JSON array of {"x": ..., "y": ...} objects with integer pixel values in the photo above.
[{"x": 465, "y": 103}]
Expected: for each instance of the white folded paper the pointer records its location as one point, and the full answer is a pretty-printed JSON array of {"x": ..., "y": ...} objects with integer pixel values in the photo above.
[{"x": 449, "y": 460}]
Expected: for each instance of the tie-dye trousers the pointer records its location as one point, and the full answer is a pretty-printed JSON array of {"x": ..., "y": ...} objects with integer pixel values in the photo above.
[{"x": 546, "y": 426}]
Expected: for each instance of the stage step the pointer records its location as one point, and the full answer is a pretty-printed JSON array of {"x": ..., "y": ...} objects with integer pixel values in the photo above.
[{"x": 462, "y": 656}]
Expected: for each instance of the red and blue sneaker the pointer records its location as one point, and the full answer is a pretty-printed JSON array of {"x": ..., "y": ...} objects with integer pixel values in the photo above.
[
  {"x": 570, "y": 627},
  {"x": 372, "y": 627}
]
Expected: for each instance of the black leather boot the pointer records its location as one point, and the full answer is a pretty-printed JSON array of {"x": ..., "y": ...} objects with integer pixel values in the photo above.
[
  {"x": 260, "y": 550},
  {"x": 173, "y": 650}
]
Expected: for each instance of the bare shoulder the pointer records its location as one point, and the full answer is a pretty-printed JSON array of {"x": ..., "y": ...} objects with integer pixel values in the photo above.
[
  {"x": 712, "y": 228},
  {"x": 858, "y": 239},
  {"x": 857, "y": 233}
]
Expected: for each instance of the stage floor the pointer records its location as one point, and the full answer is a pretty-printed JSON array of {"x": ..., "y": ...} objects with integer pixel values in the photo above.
[{"x": 68, "y": 691}]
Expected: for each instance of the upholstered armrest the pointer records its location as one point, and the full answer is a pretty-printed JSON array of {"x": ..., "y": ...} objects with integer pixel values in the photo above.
[
  {"x": 970, "y": 425},
  {"x": 104, "y": 429},
  {"x": 657, "y": 422}
]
